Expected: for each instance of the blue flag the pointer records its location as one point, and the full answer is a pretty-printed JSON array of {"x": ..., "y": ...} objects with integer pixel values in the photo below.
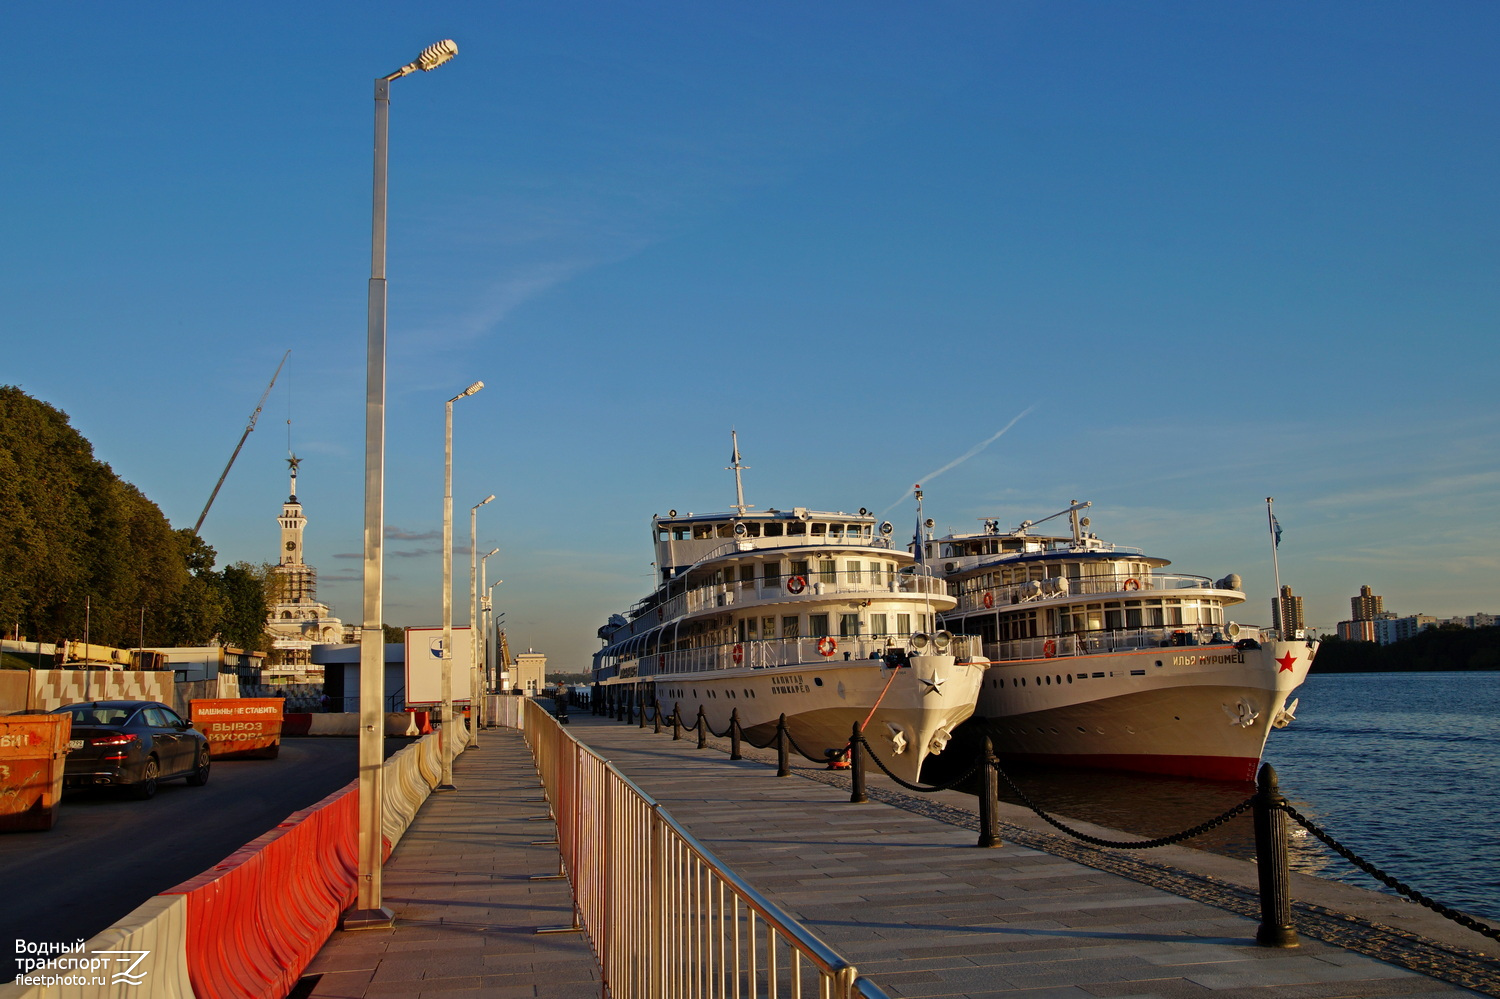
[{"x": 1276, "y": 529}]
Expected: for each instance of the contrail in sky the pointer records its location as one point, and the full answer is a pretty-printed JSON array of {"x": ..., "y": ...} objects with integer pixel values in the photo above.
[{"x": 962, "y": 458}]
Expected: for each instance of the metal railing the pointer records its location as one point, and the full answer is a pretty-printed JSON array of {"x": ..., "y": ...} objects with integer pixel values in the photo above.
[
  {"x": 761, "y": 653},
  {"x": 665, "y": 917},
  {"x": 971, "y": 595},
  {"x": 1090, "y": 643}
]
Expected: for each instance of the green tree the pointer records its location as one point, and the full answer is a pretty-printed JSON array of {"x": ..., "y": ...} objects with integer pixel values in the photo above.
[{"x": 243, "y": 621}]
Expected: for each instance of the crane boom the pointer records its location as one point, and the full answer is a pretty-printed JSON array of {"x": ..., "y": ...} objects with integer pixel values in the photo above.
[{"x": 248, "y": 427}]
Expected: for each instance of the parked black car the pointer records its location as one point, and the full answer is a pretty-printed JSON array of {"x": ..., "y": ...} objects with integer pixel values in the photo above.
[{"x": 134, "y": 745}]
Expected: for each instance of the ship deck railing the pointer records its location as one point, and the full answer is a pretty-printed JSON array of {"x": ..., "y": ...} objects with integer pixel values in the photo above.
[
  {"x": 766, "y": 653},
  {"x": 971, "y": 592},
  {"x": 665, "y": 917},
  {"x": 1101, "y": 642}
]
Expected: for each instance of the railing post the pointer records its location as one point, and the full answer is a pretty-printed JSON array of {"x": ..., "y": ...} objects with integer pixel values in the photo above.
[
  {"x": 783, "y": 750},
  {"x": 989, "y": 797},
  {"x": 656, "y": 722},
  {"x": 676, "y": 721},
  {"x": 1275, "y": 928},
  {"x": 702, "y": 729},
  {"x": 734, "y": 735},
  {"x": 857, "y": 766},
  {"x": 641, "y": 719}
]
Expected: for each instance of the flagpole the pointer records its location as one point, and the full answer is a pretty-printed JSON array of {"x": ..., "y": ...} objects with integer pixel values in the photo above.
[{"x": 1275, "y": 566}]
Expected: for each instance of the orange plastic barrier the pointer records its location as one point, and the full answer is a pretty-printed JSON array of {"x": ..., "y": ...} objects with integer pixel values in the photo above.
[
  {"x": 32, "y": 751},
  {"x": 257, "y": 919},
  {"x": 240, "y": 727}
]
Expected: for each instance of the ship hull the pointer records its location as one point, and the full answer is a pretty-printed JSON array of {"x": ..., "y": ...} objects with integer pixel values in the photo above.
[
  {"x": 907, "y": 712},
  {"x": 1193, "y": 712}
]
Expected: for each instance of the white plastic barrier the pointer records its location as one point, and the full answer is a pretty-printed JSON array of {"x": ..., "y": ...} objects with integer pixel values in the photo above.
[{"x": 144, "y": 954}]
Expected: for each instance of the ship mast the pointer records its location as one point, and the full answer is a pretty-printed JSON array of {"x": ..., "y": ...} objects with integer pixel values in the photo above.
[{"x": 736, "y": 467}]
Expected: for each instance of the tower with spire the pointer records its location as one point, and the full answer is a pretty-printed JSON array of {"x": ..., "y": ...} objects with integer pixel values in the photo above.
[{"x": 295, "y": 620}]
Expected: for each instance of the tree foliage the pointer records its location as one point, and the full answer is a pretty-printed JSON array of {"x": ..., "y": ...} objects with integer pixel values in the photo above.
[
  {"x": 78, "y": 544},
  {"x": 1443, "y": 648}
]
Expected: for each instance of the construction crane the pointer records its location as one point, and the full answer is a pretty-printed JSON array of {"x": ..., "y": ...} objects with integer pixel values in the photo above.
[{"x": 249, "y": 427}]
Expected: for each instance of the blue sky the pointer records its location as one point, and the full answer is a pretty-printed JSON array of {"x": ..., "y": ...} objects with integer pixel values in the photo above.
[{"x": 1213, "y": 252}]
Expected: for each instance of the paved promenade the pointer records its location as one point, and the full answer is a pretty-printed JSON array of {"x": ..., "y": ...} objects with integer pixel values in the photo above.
[
  {"x": 466, "y": 908},
  {"x": 895, "y": 885}
]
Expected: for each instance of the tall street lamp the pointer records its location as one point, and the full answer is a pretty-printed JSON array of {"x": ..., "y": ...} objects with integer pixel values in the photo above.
[
  {"x": 474, "y": 702},
  {"x": 482, "y": 640},
  {"x": 368, "y": 911},
  {"x": 445, "y": 783},
  {"x": 491, "y": 674}
]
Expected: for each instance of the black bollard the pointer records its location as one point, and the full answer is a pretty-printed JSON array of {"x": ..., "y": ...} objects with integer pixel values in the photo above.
[
  {"x": 857, "y": 767},
  {"x": 1275, "y": 928},
  {"x": 641, "y": 721},
  {"x": 734, "y": 735},
  {"x": 676, "y": 721},
  {"x": 656, "y": 721},
  {"x": 702, "y": 729},
  {"x": 783, "y": 750},
  {"x": 989, "y": 797}
]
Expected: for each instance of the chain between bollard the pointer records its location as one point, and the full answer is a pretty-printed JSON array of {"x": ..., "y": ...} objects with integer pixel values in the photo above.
[{"x": 1461, "y": 918}]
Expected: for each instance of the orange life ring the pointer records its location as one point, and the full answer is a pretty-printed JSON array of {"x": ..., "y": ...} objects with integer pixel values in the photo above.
[
  {"x": 796, "y": 584},
  {"x": 827, "y": 645},
  {"x": 989, "y": 599},
  {"x": 1049, "y": 649},
  {"x": 739, "y": 654},
  {"x": 1131, "y": 584}
]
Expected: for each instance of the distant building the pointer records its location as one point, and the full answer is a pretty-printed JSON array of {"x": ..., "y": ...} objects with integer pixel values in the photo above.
[
  {"x": 1286, "y": 613},
  {"x": 529, "y": 672},
  {"x": 296, "y": 621},
  {"x": 1367, "y": 606},
  {"x": 1358, "y": 630},
  {"x": 1396, "y": 629}
]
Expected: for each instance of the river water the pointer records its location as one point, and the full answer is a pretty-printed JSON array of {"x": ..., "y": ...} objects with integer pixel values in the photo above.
[{"x": 1402, "y": 768}]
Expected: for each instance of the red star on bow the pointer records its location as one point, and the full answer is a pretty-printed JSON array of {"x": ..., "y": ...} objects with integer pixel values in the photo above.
[{"x": 1286, "y": 662}]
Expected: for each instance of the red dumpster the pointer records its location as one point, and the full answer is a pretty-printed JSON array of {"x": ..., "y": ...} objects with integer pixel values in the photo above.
[
  {"x": 240, "y": 727},
  {"x": 33, "y": 749}
]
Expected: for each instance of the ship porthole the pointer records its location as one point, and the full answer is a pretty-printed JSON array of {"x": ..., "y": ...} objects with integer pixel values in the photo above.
[
  {"x": 1070, "y": 677},
  {"x": 817, "y": 681}
]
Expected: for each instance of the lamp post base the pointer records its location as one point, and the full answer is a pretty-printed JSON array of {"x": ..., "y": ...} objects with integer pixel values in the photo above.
[{"x": 367, "y": 919}]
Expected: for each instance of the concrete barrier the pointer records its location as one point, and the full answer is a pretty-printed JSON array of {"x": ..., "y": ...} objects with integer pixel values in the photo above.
[
  {"x": 250, "y": 925},
  {"x": 144, "y": 954},
  {"x": 257, "y": 919}
]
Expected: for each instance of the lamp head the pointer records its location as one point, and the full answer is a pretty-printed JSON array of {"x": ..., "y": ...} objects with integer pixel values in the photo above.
[
  {"x": 436, "y": 54},
  {"x": 493, "y": 551},
  {"x": 472, "y": 389},
  {"x": 486, "y": 499}
]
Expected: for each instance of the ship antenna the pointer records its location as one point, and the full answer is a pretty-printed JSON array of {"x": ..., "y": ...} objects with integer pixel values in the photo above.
[{"x": 736, "y": 467}]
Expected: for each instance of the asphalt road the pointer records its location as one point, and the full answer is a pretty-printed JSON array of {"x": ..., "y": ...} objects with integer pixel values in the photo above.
[{"x": 105, "y": 854}]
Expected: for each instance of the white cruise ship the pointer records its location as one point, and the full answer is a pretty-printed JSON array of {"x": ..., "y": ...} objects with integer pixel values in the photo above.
[
  {"x": 810, "y": 614},
  {"x": 1100, "y": 658}
]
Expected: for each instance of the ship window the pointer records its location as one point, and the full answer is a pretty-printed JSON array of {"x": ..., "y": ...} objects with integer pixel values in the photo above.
[
  {"x": 768, "y": 627},
  {"x": 1152, "y": 609},
  {"x": 1113, "y": 616},
  {"x": 819, "y": 530},
  {"x": 702, "y": 532},
  {"x": 796, "y": 527},
  {"x": 817, "y": 625},
  {"x": 799, "y": 568},
  {"x": 903, "y": 624},
  {"x": 724, "y": 530},
  {"x": 773, "y": 530},
  {"x": 772, "y": 578},
  {"x": 747, "y": 576},
  {"x": 828, "y": 570},
  {"x": 680, "y": 532},
  {"x": 789, "y": 626},
  {"x": 877, "y": 624},
  {"x": 661, "y": 534},
  {"x": 848, "y": 625},
  {"x": 749, "y": 629},
  {"x": 1132, "y": 613},
  {"x": 854, "y": 571},
  {"x": 752, "y": 530},
  {"x": 835, "y": 530}
]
